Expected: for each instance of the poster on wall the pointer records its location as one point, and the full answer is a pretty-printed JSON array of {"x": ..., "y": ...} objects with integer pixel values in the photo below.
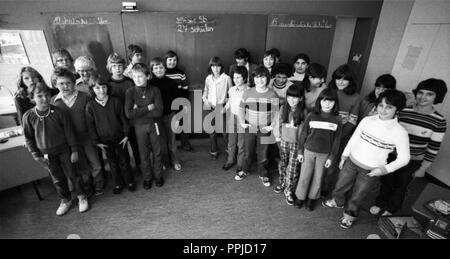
[{"x": 11, "y": 49}]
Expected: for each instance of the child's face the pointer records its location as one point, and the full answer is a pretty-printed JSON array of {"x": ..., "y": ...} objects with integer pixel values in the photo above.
[
  {"x": 268, "y": 61},
  {"x": 159, "y": 70},
  {"x": 241, "y": 62},
  {"x": 85, "y": 73},
  {"x": 216, "y": 70},
  {"x": 140, "y": 78},
  {"x": 386, "y": 111},
  {"x": 341, "y": 83},
  {"x": 292, "y": 101},
  {"x": 300, "y": 66},
  {"x": 171, "y": 62},
  {"x": 327, "y": 105},
  {"x": 379, "y": 90},
  {"x": 260, "y": 82},
  {"x": 63, "y": 61},
  {"x": 117, "y": 69},
  {"x": 316, "y": 81},
  {"x": 42, "y": 100},
  {"x": 281, "y": 79},
  {"x": 425, "y": 97},
  {"x": 137, "y": 58},
  {"x": 65, "y": 85},
  {"x": 29, "y": 79},
  {"x": 238, "y": 79},
  {"x": 101, "y": 91}
]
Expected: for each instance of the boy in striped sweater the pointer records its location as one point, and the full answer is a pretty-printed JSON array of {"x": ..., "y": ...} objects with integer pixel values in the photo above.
[{"x": 426, "y": 128}]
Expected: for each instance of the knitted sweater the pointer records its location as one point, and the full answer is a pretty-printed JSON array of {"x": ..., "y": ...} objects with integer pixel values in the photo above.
[
  {"x": 280, "y": 90},
  {"x": 169, "y": 91},
  {"x": 348, "y": 110},
  {"x": 142, "y": 97},
  {"x": 258, "y": 109},
  {"x": 373, "y": 140},
  {"x": 120, "y": 87},
  {"x": 288, "y": 131}
]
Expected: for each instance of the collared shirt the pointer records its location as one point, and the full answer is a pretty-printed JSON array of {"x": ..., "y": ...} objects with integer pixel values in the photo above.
[
  {"x": 69, "y": 102},
  {"x": 102, "y": 103},
  {"x": 81, "y": 86},
  {"x": 216, "y": 89},
  {"x": 235, "y": 97},
  {"x": 296, "y": 77}
]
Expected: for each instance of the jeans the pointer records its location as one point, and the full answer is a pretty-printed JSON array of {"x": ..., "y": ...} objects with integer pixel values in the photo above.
[
  {"x": 134, "y": 146},
  {"x": 62, "y": 171},
  {"x": 253, "y": 145},
  {"x": 312, "y": 171},
  {"x": 213, "y": 136},
  {"x": 147, "y": 136},
  {"x": 353, "y": 176},
  {"x": 90, "y": 167},
  {"x": 119, "y": 162},
  {"x": 168, "y": 142},
  {"x": 236, "y": 143}
]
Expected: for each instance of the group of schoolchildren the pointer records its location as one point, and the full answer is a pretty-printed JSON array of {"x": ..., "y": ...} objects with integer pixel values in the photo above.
[{"x": 325, "y": 140}]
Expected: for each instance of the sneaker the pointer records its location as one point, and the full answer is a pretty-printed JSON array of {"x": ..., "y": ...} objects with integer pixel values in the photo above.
[
  {"x": 265, "y": 181},
  {"x": 98, "y": 192},
  {"x": 215, "y": 155},
  {"x": 289, "y": 199},
  {"x": 164, "y": 168},
  {"x": 177, "y": 166},
  {"x": 346, "y": 223},
  {"x": 240, "y": 175},
  {"x": 375, "y": 210},
  {"x": 299, "y": 203},
  {"x": 63, "y": 208},
  {"x": 331, "y": 203},
  {"x": 117, "y": 189},
  {"x": 279, "y": 188},
  {"x": 83, "y": 205},
  {"x": 386, "y": 214},
  {"x": 132, "y": 187}
]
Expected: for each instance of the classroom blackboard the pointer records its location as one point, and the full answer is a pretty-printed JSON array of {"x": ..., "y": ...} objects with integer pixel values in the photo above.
[
  {"x": 93, "y": 34},
  {"x": 293, "y": 34},
  {"x": 196, "y": 38}
]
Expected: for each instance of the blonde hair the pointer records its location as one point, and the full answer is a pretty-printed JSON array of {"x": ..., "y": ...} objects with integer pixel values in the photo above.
[
  {"x": 84, "y": 61},
  {"x": 114, "y": 59}
]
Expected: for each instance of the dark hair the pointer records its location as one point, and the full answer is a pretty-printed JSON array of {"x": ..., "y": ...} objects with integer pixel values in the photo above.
[
  {"x": 275, "y": 52},
  {"x": 140, "y": 67},
  {"x": 156, "y": 61},
  {"x": 170, "y": 54},
  {"x": 97, "y": 79},
  {"x": 241, "y": 70},
  {"x": 299, "y": 114},
  {"x": 314, "y": 70},
  {"x": 393, "y": 97},
  {"x": 267, "y": 54},
  {"x": 345, "y": 72},
  {"x": 215, "y": 61},
  {"x": 261, "y": 71},
  {"x": 301, "y": 56},
  {"x": 385, "y": 80},
  {"x": 40, "y": 87},
  {"x": 133, "y": 49},
  {"x": 438, "y": 86},
  {"x": 282, "y": 68},
  {"x": 21, "y": 87},
  {"x": 61, "y": 52},
  {"x": 62, "y": 72},
  {"x": 327, "y": 94},
  {"x": 242, "y": 53}
]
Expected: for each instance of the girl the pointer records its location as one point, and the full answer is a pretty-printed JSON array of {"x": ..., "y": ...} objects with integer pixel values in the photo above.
[
  {"x": 365, "y": 157},
  {"x": 135, "y": 55},
  {"x": 367, "y": 106},
  {"x": 292, "y": 115},
  {"x": 174, "y": 72},
  {"x": 314, "y": 84},
  {"x": 217, "y": 84},
  {"x": 318, "y": 145},
  {"x": 28, "y": 77},
  {"x": 108, "y": 129},
  {"x": 269, "y": 61},
  {"x": 300, "y": 63}
]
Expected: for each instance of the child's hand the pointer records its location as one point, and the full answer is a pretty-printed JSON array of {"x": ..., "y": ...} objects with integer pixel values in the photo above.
[
  {"x": 300, "y": 158},
  {"x": 135, "y": 106},
  {"x": 375, "y": 172},
  {"x": 74, "y": 157},
  {"x": 42, "y": 160},
  {"x": 151, "y": 107},
  {"x": 124, "y": 142},
  {"x": 328, "y": 163},
  {"x": 341, "y": 164},
  {"x": 420, "y": 172},
  {"x": 267, "y": 128},
  {"x": 245, "y": 125},
  {"x": 102, "y": 147},
  {"x": 277, "y": 139}
]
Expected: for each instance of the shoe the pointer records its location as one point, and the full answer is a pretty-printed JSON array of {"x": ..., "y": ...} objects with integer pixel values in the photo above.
[
  {"x": 375, "y": 210},
  {"x": 299, "y": 203},
  {"x": 346, "y": 223},
  {"x": 331, "y": 203},
  {"x": 98, "y": 192},
  {"x": 160, "y": 182},
  {"x": 240, "y": 175},
  {"x": 279, "y": 188},
  {"x": 147, "y": 184},
  {"x": 117, "y": 189},
  {"x": 215, "y": 155},
  {"x": 265, "y": 181},
  {"x": 310, "y": 204},
  {"x": 131, "y": 187},
  {"x": 177, "y": 166},
  {"x": 164, "y": 168},
  {"x": 83, "y": 204},
  {"x": 386, "y": 214},
  {"x": 186, "y": 147},
  {"x": 227, "y": 166},
  {"x": 63, "y": 208},
  {"x": 289, "y": 199}
]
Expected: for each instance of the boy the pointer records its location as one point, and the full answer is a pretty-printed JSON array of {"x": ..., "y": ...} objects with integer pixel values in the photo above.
[
  {"x": 62, "y": 58},
  {"x": 258, "y": 110},
  {"x": 50, "y": 138},
  {"x": 84, "y": 66},
  {"x": 169, "y": 92},
  {"x": 242, "y": 58},
  {"x": 314, "y": 82},
  {"x": 280, "y": 82},
  {"x": 73, "y": 102},
  {"x": 135, "y": 55},
  {"x": 143, "y": 104},
  {"x": 301, "y": 63}
]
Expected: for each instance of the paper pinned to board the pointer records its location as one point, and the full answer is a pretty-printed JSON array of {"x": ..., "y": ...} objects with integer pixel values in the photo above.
[{"x": 411, "y": 58}]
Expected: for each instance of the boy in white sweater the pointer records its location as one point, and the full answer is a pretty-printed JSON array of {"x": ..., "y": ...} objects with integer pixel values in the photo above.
[{"x": 364, "y": 158}]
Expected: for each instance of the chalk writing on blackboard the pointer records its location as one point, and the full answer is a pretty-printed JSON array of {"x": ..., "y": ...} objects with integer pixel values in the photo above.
[
  {"x": 79, "y": 20},
  {"x": 322, "y": 24},
  {"x": 195, "y": 24}
]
